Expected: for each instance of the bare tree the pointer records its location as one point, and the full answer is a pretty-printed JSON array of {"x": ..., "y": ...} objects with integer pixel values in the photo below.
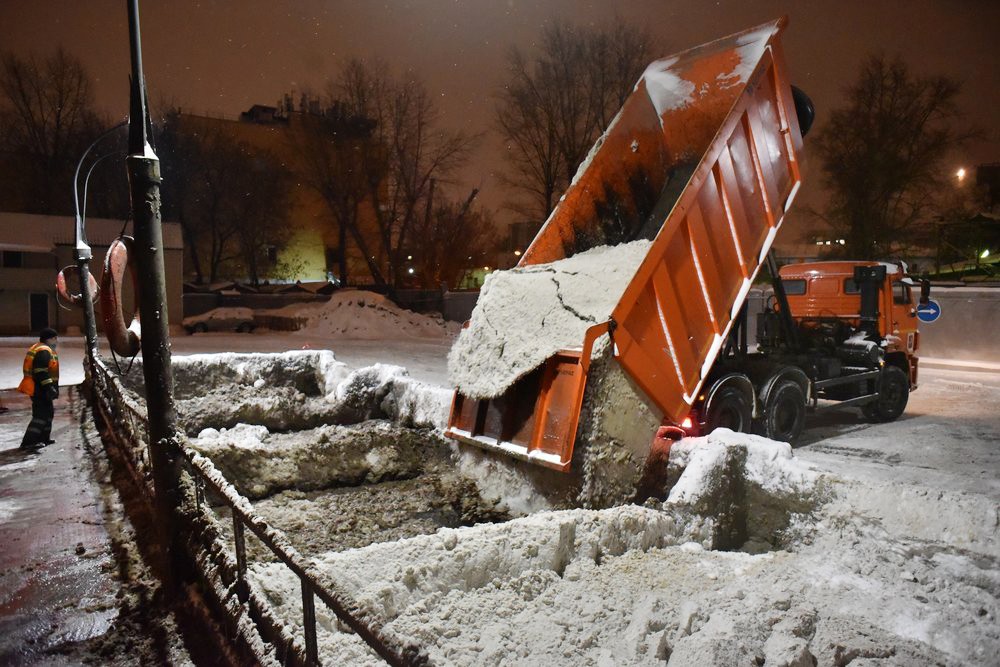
[
  {"x": 554, "y": 105},
  {"x": 334, "y": 149},
  {"x": 46, "y": 119},
  {"x": 229, "y": 197},
  {"x": 377, "y": 179},
  {"x": 881, "y": 155},
  {"x": 455, "y": 236}
]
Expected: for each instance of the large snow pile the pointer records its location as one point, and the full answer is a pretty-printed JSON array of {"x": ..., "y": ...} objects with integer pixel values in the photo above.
[
  {"x": 366, "y": 315},
  {"x": 296, "y": 390},
  {"x": 525, "y": 315},
  {"x": 523, "y": 591},
  {"x": 260, "y": 463},
  {"x": 311, "y": 372},
  {"x": 636, "y": 586}
]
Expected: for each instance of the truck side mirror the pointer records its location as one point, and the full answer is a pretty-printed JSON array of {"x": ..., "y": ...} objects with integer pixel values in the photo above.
[{"x": 925, "y": 292}]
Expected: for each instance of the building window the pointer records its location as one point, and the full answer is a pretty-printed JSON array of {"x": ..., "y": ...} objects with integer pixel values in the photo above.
[{"x": 12, "y": 259}]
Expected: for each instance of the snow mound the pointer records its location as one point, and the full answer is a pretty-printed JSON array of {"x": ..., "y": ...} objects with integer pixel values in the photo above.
[
  {"x": 636, "y": 585},
  {"x": 260, "y": 463},
  {"x": 525, "y": 315},
  {"x": 274, "y": 407},
  {"x": 296, "y": 390},
  {"x": 311, "y": 372},
  {"x": 366, "y": 315},
  {"x": 747, "y": 489},
  {"x": 225, "y": 313}
]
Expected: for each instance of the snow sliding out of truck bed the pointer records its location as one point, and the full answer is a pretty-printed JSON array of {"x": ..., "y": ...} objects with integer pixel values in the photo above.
[{"x": 525, "y": 315}]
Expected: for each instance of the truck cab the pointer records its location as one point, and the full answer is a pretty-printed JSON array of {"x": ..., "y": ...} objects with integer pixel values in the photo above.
[
  {"x": 842, "y": 332},
  {"x": 825, "y": 292}
]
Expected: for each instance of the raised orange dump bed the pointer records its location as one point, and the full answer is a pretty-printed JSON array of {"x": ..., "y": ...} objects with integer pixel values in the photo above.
[{"x": 702, "y": 159}]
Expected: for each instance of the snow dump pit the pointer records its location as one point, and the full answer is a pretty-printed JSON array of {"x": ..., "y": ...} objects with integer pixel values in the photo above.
[
  {"x": 335, "y": 458},
  {"x": 570, "y": 586}
]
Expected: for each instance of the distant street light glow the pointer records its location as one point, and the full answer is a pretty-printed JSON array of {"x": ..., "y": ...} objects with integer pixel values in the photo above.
[
  {"x": 410, "y": 270},
  {"x": 986, "y": 253},
  {"x": 960, "y": 173},
  {"x": 517, "y": 253}
]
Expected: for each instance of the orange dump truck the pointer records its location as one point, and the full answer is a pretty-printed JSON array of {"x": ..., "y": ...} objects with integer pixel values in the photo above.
[{"x": 697, "y": 172}]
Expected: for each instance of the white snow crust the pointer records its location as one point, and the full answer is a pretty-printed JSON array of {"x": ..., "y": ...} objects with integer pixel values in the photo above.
[
  {"x": 510, "y": 592},
  {"x": 260, "y": 463},
  {"x": 527, "y": 314}
]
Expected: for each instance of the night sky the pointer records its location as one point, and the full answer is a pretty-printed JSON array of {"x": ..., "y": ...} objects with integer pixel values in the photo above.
[{"x": 222, "y": 57}]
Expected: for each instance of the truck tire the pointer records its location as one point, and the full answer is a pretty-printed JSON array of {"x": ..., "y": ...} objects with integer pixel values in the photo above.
[
  {"x": 729, "y": 409},
  {"x": 785, "y": 411},
  {"x": 893, "y": 394}
]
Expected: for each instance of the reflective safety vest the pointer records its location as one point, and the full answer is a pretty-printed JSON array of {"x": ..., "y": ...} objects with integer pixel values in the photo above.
[{"x": 27, "y": 385}]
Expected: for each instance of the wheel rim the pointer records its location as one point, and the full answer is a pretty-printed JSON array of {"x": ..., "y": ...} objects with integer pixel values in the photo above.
[
  {"x": 785, "y": 415},
  {"x": 729, "y": 417},
  {"x": 729, "y": 411}
]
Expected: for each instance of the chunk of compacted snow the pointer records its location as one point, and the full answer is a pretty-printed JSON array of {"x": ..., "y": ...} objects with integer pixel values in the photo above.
[
  {"x": 769, "y": 464},
  {"x": 527, "y": 314}
]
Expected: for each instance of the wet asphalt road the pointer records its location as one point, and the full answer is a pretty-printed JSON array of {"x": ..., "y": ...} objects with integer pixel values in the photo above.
[{"x": 57, "y": 585}]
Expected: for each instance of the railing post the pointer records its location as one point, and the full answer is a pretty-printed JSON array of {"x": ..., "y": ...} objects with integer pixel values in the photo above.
[
  {"x": 309, "y": 622},
  {"x": 241, "y": 557}
]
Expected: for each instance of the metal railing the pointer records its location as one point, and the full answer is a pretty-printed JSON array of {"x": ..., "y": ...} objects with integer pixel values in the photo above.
[{"x": 127, "y": 427}]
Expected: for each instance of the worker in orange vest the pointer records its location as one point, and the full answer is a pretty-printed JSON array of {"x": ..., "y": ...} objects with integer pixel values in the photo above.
[{"x": 41, "y": 383}]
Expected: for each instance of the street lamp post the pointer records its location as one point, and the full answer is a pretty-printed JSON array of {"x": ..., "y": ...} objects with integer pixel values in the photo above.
[
  {"x": 144, "y": 189},
  {"x": 83, "y": 252}
]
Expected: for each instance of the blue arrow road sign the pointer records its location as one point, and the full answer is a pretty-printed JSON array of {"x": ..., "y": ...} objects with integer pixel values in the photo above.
[{"x": 929, "y": 312}]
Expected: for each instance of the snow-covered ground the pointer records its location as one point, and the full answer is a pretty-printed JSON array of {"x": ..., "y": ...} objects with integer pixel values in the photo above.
[
  {"x": 885, "y": 549},
  {"x": 867, "y": 544}
]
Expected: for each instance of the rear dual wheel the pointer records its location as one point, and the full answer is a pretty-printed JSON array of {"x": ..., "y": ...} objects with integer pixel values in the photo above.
[
  {"x": 784, "y": 411},
  {"x": 729, "y": 409}
]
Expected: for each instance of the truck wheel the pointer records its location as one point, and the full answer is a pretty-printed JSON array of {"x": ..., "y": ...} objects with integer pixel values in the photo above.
[
  {"x": 893, "y": 394},
  {"x": 785, "y": 411},
  {"x": 729, "y": 409}
]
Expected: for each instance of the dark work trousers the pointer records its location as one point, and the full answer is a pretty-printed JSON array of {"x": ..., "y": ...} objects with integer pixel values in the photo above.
[{"x": 40, "y": 429}]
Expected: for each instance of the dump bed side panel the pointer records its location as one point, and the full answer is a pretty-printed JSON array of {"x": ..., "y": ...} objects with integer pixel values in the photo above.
[
  {"x": 674, "y": 316},
  {"x": 634, "y": 174}
]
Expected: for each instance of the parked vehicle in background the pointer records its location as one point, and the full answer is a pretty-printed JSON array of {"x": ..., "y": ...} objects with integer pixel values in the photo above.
[{"x": 236, "y": 319}]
